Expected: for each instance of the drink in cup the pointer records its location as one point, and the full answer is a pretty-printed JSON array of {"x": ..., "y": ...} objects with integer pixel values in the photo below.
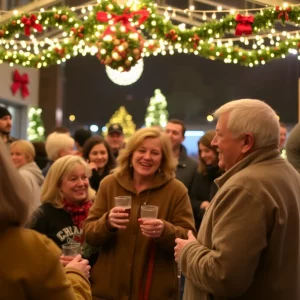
[
  {"x": 124, "y": 202},
  {"x": 149, "y": 212},
  {"x": 71, "y": 249}
]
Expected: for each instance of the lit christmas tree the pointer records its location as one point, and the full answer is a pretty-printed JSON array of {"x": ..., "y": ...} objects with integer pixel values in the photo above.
[
  {"x": 157, "y": 113},
  {"x": 36, "y": 128},
  {"x": 122, "y": 117}
]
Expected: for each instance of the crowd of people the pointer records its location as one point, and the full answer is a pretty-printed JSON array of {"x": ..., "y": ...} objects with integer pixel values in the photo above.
[{"x": 227, "y": 225}]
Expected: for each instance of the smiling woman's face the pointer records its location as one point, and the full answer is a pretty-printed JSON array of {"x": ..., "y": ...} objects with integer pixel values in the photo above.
[
  {"x": 99, "y": 156},
  {"x": 18, "y": 157},
  {"x": 208, "y": 156},
  {"x": 146, "y": 159},
  {"x": 74, "y": 185}
]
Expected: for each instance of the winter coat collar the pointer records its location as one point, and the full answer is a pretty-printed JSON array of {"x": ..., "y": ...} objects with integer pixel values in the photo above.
[
  {"x": 125, "y": 180},
  {"x": 255, "y": 157}
]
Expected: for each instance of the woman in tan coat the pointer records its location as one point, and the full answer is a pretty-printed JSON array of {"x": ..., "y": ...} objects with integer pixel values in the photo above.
[
  {"x": 30, "y": 266},
  {"x": 136, "y": 258}
]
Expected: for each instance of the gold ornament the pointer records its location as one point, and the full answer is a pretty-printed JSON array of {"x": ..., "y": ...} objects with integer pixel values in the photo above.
[
  {"x": 108, "y": 60},
  {"x": 125, "y": 45},
  {"x": 116, "y": 42},
  {"x": 56, "y": 16},
  {"x": 136, "y": 52},
  {"x": 128, "y": 63},
  {"x": 116, "y": 56}
]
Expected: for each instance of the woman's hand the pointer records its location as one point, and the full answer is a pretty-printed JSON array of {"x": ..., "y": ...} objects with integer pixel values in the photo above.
[
  {"x": 152, "y": 228},
  {"x": 65, "y": 260},
  {"x": 81, "y": 265},
  {"x": 204, "y": 205},
  {"x": 117, "y": 218}
]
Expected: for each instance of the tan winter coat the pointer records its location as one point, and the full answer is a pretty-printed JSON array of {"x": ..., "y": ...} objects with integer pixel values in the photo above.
[
  {"x": 248, "y": 247},
  {"x": 122, "y": 264},
  {"x": 30, "y": 269}
]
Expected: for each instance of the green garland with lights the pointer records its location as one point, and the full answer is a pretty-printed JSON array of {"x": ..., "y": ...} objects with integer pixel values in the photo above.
[{"x": 123, "y": 38}]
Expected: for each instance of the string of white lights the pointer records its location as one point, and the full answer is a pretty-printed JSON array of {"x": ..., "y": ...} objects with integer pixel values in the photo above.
[{"x": 219, "y": 9}]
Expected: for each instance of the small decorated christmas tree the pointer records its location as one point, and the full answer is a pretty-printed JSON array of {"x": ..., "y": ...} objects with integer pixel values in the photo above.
[
  {"x": 157, "y": 113},
  {"x": 122, "y": 117},
  {"x": 35, "y": 130}
]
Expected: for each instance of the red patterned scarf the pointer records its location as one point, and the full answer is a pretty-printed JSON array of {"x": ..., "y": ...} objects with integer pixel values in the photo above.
[{"x": 78, "y": 212}]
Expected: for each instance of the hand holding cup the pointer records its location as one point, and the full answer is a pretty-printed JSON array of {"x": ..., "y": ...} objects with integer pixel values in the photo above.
[
  {"x": 150, "y": 225},
  {"x": 119, "y": 216}
]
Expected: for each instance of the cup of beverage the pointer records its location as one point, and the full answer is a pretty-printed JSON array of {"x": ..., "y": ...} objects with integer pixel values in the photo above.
[
  {"x": 149, "y": 212},
  {"x": 124, "y": 202},
  {"x": 71, "y": 249}
]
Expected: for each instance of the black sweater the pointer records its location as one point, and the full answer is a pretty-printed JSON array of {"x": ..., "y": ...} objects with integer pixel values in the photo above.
[
  {"x": 203, "y": 189},
  {"x": 55, "y": 223}
]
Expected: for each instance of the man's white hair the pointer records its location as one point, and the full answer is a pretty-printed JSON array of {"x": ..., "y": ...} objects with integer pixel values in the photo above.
[
  {"x": 56, "y": 142},
  {"x": 255, "y": 116}
]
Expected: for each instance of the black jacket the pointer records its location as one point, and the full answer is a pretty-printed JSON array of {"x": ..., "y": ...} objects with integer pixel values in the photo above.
[
  {"x": 186, "y": 169},
  {"x": 55, "y": 223},
  {"x": 203, "y": 189},
  {"x": 95, "y": 179}
]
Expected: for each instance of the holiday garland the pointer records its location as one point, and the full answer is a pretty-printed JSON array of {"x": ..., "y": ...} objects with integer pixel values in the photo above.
[{"x": 119, "y": 36}]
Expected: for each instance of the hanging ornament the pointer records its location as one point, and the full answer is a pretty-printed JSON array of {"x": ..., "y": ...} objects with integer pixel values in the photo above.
[
  {"x": 121, "y": 41},
  {"x": 126, "y": 78}
]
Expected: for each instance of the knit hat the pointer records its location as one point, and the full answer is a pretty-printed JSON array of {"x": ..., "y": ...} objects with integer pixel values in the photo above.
[{"x": 4, "y": 112}]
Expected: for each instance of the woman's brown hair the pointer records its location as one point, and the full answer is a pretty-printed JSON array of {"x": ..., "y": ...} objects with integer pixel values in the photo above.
[{"x": 206, "y": 140}]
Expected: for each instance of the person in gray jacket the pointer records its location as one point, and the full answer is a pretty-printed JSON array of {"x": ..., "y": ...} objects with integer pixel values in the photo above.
[
  {"x": 187, "y": 166},
  {"x": 22, "y": 154}
]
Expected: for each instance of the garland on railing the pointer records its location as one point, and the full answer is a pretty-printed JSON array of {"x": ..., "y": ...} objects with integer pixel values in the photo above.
[{"x": 119, "y": 36}]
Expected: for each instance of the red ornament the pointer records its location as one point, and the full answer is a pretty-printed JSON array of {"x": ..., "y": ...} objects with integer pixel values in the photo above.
[
  {"x": 31, "y": 22},
  {"x": 78, "y": 32},
  {"x": 283, "y": 13},
  {"x": 20, "y": 82},
  {"x": 172, "y": 35},
  {"x": 64, "y": 18},
  {"x": 1, "y": 33},
  {"x": 244, "y": 25},
  {"x": 196, "y": 39}
]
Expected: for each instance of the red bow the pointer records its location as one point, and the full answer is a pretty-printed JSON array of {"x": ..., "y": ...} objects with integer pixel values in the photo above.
[
  {"x": 283, "y": 13},
  {"x": 60, "y": 51},
  {"x": 124, "y": 19},
  {"x": 20, "y": 82},
  {"x": 243, "y": 25},
  {"x": 31, "y": 22}
]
